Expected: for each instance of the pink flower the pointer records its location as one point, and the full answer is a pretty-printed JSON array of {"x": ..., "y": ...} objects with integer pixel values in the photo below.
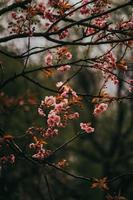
[
  {"x": 48, "y": 59},
  {"x": 107, "y": 64},
  {"x": 73, "y": 115},
  {"x": 41, "y": 112},
  {"x": 51, "y": 132},
  {"x": 64, "y": 68},
  {"x": 53, "y": 119},
  {"x": 100, "y": 22},
  {"x": 68, "y": 55},
  {"x": 100, "y": 108},
  {"x": 49, "y": 101},
  {"x": 49, "y": 15},
  {"x": 42, "y": 154},
  {"x": 85, "y": 10},
  {"x": 64, "y": 94},
  {"x": 89, "y": 31},
  {"x": 86, "y": 127},
  {"x": 64, "y": 34},
  {"x": 59, "y": 107},
  {"x": 126, "y": 24}
]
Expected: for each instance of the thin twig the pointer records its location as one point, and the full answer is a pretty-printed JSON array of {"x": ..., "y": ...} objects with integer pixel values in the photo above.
[{"x": 49, "y": 189}]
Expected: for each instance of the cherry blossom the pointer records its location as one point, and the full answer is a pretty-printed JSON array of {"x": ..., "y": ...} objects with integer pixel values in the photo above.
[
  {"x": 68, "y": 55},
  {"x": 64, "y": 68},
  {"x": 41, "y": 112},
  {"x": 50, "y": 132},
  {"x": 86, "y": 127},
  {"x": 42, "y": 154},
  {"x": 49, "y": 100},
  {"x": 53, "y": 119},
  {"x": 100, "y": 108},
  {"x": 48, "y": 59}
]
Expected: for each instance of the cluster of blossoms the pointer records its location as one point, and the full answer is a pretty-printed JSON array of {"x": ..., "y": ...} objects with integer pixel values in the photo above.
[
  {"x": 25, "y": 20},
  {"x": 126, "y": 25},
  {"x": 86, "y": 127},
  {"x": 107, "y": 64},
  {"x": 97, "y": 6},
  {"x": 100, "y": 22},
  {"x": 38, "y": 146},
  {"x": 89, "y": 31},
  {"x": 64, "y": 53},
  {"x": 41, "y": 152},
  {"x": 64, "y": 68},
  {"x": 59, "y": 108},
  {"x": 61, "y": 54},
  {"x": 85, "y": 10},
  {"x": 100, "y": 108},
  {"x": 57, "y": 112}
]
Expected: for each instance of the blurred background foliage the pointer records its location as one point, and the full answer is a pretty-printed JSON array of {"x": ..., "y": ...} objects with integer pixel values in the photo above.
[{"x": 107, "y": 152}]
